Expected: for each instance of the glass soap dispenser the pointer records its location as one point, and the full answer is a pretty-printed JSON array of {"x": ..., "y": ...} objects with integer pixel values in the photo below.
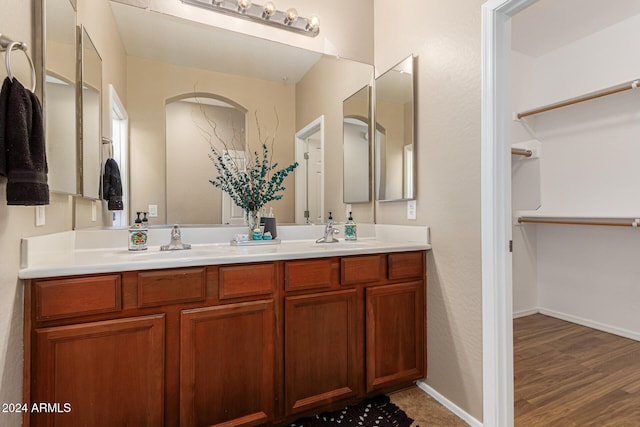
[
  {"x": 350, "y": 229},
  {"x": 138, "y": 235}
]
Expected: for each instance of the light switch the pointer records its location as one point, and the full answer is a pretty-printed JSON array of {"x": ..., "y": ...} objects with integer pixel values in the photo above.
[
  {"x": 40, "y": 221},
  {"x": 411, "y": 209}
]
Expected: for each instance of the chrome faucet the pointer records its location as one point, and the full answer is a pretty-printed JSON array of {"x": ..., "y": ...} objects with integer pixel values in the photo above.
[
  {"x": 176, "y": 241},
  {"x": 329, "y": 234}
]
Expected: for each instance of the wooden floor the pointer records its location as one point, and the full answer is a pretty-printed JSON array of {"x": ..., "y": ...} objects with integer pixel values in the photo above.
[{"x": 569, "y": 375}]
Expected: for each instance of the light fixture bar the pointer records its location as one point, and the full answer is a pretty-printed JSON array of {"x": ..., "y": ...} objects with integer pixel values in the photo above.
[{"x": 264, "y": 14}]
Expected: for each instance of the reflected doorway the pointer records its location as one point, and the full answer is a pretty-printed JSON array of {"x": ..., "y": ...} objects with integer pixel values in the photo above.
[{"x": 309, "y": 175}]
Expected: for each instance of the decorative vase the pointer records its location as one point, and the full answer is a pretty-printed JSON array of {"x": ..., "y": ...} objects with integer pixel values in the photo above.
[{"x": 253, "y": 221}]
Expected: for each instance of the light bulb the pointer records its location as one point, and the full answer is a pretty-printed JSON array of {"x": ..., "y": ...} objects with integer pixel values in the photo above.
[
  {"x": 243, "y": 5},
  {"x": 268, "y": 10},
  {"x": 290, "y": 16},
  {"x": 312, "y": 23}
]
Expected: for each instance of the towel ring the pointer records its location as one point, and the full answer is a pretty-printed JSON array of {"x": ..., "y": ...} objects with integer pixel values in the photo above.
[{"x": 23, "y": 47}]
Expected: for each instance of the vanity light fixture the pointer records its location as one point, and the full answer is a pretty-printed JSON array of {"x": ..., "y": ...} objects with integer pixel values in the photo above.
[
  {"x": 243, "y": 5},
  {"x": 290, "y": 16},
  {"x": 265, "y": 14},
  {"x": 268, "y": 10}
]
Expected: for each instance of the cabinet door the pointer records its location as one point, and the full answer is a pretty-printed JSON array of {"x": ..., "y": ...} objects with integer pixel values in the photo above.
[
  {"x": 396, "y": 325},
  {"x": 321, "y": 345},
  {"x": 227, "y": 365},
  {"x": 108, "y": 373}
]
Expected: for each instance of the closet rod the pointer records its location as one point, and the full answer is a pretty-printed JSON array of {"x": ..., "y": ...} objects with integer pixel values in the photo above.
[
  {"x": 521, "y": 152},
  {"x": 576, "y": 221},
  {"x": 633, "y": 84}
]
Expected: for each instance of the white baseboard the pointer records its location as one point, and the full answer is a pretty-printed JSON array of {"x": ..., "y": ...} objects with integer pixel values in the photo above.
[
  {"x": 626, "y": 333},
  {"x": 591, "y": 324},
  {"x": 523, "y": 313},
  {"x": 460, "y": 413}
]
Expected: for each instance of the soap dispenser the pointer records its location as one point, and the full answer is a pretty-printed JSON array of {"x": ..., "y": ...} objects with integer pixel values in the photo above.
[
  {"x": 138, "y": 235},
  {"x": 350, "y": 229},
  {"x": 330, "y": 219}
]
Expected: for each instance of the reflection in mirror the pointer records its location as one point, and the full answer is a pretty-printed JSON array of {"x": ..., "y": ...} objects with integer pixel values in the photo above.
[
  {"x": 194, "y": 125},
  {"x": 394, "y": 138},
  {"x": 90, "y": 101},
  {"x": 356, "y": 169},
  {"x": 310, "y": 173},
  {"x": 60, "y": 94}
]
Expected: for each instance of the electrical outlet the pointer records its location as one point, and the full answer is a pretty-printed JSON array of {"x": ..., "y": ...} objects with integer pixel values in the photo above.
[
  {"x": 347, "y": 210},
  {"x": 40, "y": 220},
  {"x": 153, "y": 211},
  {"x": 94, "y": 211},
  {"x": 411, "y": 209}
]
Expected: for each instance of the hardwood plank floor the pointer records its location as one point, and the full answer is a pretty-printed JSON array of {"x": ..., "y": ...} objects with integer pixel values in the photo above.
[{"x": 570, "y": 375}]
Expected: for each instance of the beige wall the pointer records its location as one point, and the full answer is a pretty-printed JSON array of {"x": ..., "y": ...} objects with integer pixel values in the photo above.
[
  {"x": 445, "y": 35},
  {"x": 152, "y": 83},
  {"x": 313, "y": 100}
]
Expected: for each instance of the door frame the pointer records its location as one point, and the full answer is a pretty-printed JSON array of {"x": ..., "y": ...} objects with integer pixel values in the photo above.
[
  {"x": 496, "y": 229},
  {"x": 316, "y": 125}
]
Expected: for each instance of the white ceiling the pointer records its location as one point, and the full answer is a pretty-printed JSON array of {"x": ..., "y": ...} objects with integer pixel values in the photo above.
[
  {"x": 550, "y": 24},
  {"x": 165, "y": 38}
]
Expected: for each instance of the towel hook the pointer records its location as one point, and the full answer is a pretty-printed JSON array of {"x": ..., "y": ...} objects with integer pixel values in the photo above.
[{"x": 23, "y": 47}]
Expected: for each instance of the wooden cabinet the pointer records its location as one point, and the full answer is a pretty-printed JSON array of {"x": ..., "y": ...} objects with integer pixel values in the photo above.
[
  {"x": 227, "y": 365},
  {"x": 106, "y": 373},
  {"x": 229, "y": 345},
  {"x": 396, "y": 334},
  {"x": 321, "y": 349}
]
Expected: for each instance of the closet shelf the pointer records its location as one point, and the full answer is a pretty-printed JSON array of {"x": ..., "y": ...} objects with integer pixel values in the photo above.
[
  {"x": 633, "y": 84},
  {"x": 575, "y": 220}
]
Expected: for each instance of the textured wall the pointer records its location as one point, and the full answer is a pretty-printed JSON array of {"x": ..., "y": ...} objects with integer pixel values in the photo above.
[{"x": 445, "y": 35}]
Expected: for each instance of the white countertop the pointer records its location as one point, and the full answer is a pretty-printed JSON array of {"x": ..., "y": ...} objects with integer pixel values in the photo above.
[{"x": 72, "y": 253}]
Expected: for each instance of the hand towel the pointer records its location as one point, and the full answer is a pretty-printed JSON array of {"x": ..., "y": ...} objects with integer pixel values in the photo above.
[
  {"x": 112, "y": 185},
  {"x": 4, "y": 98},
  {"x": 26, "y": 159}
]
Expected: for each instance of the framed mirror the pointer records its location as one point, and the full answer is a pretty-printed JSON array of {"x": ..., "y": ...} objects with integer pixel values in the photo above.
[
  {"x": 356, "y": 147},
  {"x": 394, "y": 136},
  {"x": 90, "y": 100},
  {"x": 56, "y": 57}
]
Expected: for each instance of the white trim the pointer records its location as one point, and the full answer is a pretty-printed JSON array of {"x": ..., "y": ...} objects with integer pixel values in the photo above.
[
  {"x": 300, "y": 137},
  {"x": 525, "y": 313},
  {"x": 626, "y": 333},
  {"x": 497, "y": 305},
  {"x": 459, "y": 412}
]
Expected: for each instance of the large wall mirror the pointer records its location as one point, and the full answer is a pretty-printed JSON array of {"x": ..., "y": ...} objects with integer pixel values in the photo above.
[
  {"x": 395, "y": 158},
  {"x": 282, "y": 89},
  {"x": 356, "y": 146},
  {"x": 90, "y": 100},
  {"x": 57, "y": 58}
]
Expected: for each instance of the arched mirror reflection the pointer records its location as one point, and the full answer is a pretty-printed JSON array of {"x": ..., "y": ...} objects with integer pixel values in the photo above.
[
  {"x": 193, "y": 126},
  {"x": 394, "y": 139}
]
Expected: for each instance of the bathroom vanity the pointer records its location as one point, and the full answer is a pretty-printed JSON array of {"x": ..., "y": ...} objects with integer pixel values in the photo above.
[{"x": 281, "y": 333}]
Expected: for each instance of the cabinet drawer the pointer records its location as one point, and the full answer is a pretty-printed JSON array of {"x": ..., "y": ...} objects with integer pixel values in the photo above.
[
  {"x": 77, "y": 296},
  {"x": 404, "y": 265},
  {"x": 361, "y": 269},
  {"x": 247, "y": 280},
  {"x": 308, "y": 274},
  {"x": 171, "y": 286}
]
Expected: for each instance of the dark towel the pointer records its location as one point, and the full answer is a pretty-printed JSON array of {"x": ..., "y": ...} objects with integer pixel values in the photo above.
[
  {"x": 4, "y": 98},
  {"x": 26, "y": 158},
  {"x": 112, "y": 185}
]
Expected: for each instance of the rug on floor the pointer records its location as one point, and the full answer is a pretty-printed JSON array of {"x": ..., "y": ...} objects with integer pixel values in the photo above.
[{"x": 374, "y": 412}]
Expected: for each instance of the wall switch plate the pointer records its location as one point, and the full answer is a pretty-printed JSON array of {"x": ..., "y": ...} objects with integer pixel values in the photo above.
[
  {"x": 411, "y": 209},
  {"x": 94, "y": 211},
  {"x": 40, "y": 220},
  {"x": 347, "y": 210},
  {"x": 153, "y": 211}
]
